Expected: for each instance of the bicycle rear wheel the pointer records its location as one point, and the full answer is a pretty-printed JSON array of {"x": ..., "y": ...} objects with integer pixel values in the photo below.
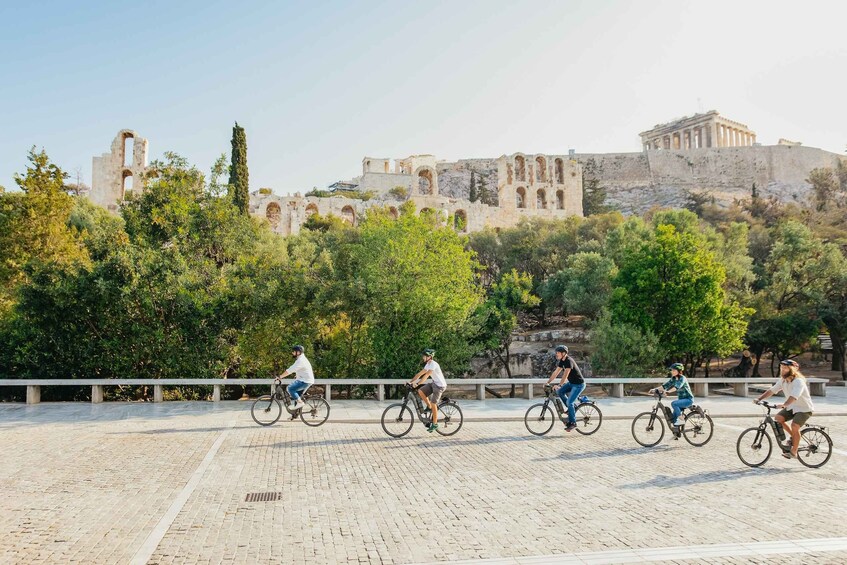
[
  {"x": 450, "y": 419},
  {"x": 315, "y": 412},
  {"x": 648, "y": 430},
  {"x": 754, "y": 447},
  {"x": 539, "y": 419},
  {"x": 397, "y": 420},
  {"x": 815, "y": 447},
  {"x": 266, "y": 410},
  {"x": 698, "y": 429},
  {"x": 588, "y": 418}
]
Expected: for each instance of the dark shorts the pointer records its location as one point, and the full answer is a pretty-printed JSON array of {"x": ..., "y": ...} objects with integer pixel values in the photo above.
[
  {"x": 798, "y": 418},
  {"x": 433, "y": 392}
]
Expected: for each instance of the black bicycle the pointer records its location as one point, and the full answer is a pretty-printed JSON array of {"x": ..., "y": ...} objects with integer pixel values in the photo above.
[
  {"x": 648, "y": 428},
  {"x": 397, "y": 419},
  {"x": 267, "y": 409},
  {"x": 754, "y": 445},
  {"x": 539, "y": 418}
]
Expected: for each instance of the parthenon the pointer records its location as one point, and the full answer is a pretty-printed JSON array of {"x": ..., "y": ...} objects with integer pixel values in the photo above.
[{"x": 698, "y": 131}]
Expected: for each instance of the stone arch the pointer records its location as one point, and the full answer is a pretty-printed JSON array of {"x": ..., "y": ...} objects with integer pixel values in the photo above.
[
  {"x": 273, "y": 213},
  {"x": 541, "y": 199},
  {"x": 127, "y": 174},
  {"x": 425, "y": 181},
  {"x": 520, "y": 197},
  {"x": 348, "y": 215},
  {"x": 368, "y": 165},
  {"x": 127, "y": 148},
  {"x": 460, "y": 220},
  {"x": 560, "y": 171},
  {"x": 392, "y": 211},
  {"x": 560, "y": 200},
  {"x": 540, "y": 169},
  {"x": 520, "y": 168},
  {"x": 311, "y": 209},
  {"x": 426, "y": 211}
]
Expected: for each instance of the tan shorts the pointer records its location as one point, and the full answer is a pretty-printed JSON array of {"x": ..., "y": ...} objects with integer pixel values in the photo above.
[
  {"x": 433, "y": 392},
  {"x": 798, "y": 418}
]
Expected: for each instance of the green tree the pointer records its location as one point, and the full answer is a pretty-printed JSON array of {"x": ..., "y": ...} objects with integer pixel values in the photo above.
[
  {"x": 474, "y": 195},
  {"x": 584, "y": 286},
  {"x": 238, "y": 173},
  {"x": 625, "y": 350}
]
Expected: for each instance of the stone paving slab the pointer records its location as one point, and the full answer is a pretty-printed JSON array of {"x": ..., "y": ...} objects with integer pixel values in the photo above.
[{"x": 92, "y": 490}]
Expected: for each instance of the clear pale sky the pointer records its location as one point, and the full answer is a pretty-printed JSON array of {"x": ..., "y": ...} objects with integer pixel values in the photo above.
[{"x": 319, "y": 85}]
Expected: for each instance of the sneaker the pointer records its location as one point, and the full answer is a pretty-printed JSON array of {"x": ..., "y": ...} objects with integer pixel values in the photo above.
[
  {"x": 299, "y": 404},
  {"x": 432, "y": 428},
  {"x": 293, "y": 406},
  {"x": 570, "y": 426}
]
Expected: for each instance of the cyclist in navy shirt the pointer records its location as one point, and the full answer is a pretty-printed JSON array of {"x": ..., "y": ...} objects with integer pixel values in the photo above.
[{"x": 568, "y": 391}]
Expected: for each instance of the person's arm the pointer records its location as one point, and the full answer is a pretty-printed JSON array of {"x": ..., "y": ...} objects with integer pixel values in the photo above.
[
  {"x": 565, "y": 373},
  {"x": 553, "y": 375},
  {"x": 768, "y": 393},
  {"x": 422, "y": 375},
  {"x": 666, "y": 387},
  {"x": 789, "y": 401}
]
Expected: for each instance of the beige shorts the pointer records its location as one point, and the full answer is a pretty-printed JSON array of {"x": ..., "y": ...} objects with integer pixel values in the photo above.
[
  {"x": 798, "y": 418},
  {"x": 433, "y": 392}
]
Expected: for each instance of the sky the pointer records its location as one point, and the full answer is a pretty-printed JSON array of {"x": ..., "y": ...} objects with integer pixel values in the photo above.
[{"x": 319, "y": 85}]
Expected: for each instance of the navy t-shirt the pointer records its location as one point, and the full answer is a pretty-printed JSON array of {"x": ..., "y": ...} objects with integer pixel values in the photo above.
[{"x": 575, "y": 376}]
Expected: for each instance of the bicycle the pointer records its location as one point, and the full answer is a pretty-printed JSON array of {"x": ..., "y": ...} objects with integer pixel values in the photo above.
[
  {"x": 397, "y": 419},
  {"x": 815, "y": 444},
  {"x": 539, "y": 418},
  {"x": 267, "y": 409},
  {"x": 648, "y": 428}
]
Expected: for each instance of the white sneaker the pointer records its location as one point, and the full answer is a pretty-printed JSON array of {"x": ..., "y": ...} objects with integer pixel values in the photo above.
[
  {"x": 293, "y": 406},
  {"x": 300, "y": 404}
]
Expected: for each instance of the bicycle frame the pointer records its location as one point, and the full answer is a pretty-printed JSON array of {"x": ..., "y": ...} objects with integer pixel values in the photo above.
[
  {"x": 561, "y": 409},
  {"x": 280, "y": 392},
  {"x": 778, "y": 430},
  {"x": 668, "y": 418},
  {"x": 412, "y": 394}
]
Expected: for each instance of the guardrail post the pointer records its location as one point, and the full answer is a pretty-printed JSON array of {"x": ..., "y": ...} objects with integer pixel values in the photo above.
[
  {"x": 701, "y": 390},
  {"x": 480, "y": 392},
  {"x": 617, "y": 390},
  {"x": 740, "y": 389},
  {"x": 527, "y": 391},
  {"x": 158, "y": 393},
  {"x": 216, "y": 393},
  {"x": 817, "y": 389},
  {"x": 328, "y": 393},
  {"x": 33, "y": 394},
  {"x": 380, "y": 392},
  {"x": 96, "y": 394}
]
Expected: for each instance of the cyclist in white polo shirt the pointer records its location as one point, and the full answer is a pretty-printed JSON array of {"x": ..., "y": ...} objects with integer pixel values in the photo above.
[
  {"x": 431, "y": 392},
  {"x": 797, "y": 407},
  {"x": 305, "y": 377}
]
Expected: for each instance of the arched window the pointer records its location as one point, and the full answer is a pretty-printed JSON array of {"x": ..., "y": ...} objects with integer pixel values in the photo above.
[
  {"x": 560, "y": 171},
  {"x": 540, "y": 169},
  {"x": 128, "y": 149},
  {"x": 273, "y": 213},
  {"x": 425, "y": 183},
  {"x": 127, "y": 181},
  {"x": 348, "y": 215},
  {"x": 460, "y": 221},
  {"x": 311, "y": 210},
  {"x": 520, "y": 197},
  {"x": 520, "y": 169},
  {"x": 560, "y": 199},
  {"x": 541, "y": 199}
]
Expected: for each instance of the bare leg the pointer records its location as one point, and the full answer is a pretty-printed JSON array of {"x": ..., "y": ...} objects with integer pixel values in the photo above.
[
  {"x": 795, "y": 439},
  {"x": 434, "y": 408},
  {"x": 781, "y": 421}
]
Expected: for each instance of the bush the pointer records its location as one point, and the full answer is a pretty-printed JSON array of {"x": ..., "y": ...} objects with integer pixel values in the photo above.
[{"x": 624, "y": 350}]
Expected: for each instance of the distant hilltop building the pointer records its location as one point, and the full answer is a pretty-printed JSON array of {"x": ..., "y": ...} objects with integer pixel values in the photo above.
[{"x": 698, "y": 132}]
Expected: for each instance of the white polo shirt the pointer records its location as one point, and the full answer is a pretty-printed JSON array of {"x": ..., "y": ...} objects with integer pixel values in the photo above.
[
  {"x": 799, "y": 390},
  {"x": 437, "y": 375},
  {"x": 303, "y": 369}
]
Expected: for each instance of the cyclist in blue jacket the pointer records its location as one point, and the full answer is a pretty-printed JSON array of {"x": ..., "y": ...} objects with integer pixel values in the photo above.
[{"x": 678, "y": 382}]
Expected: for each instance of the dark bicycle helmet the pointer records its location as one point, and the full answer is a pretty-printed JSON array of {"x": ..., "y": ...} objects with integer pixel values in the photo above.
[
  {"x": 678, "y": 366},
  {"x": 561, "y": 349},
  {"x": 298, "y": 348},
  {"x": 789, "y": 362},
  {"x": 429, "y": 352}
]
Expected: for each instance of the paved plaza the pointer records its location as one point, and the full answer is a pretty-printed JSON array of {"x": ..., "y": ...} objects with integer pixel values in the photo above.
[{"x": 167, "y": 483}]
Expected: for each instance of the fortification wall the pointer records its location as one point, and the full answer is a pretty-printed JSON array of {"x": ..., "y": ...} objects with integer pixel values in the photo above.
[{"x": 638, "y": 181}]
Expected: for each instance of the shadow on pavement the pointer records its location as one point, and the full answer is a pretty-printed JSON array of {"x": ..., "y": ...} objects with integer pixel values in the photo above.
[
  {"x": 616, "y": 452},
  {"x": 663, "y": 481}
]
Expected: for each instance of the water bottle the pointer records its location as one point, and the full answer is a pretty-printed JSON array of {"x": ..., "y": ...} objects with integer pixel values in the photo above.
[{"x": 780, "y": 433}]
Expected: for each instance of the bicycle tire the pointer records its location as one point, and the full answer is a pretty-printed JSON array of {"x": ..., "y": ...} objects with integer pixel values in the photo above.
[
  {"x": 756, "y": 443},
  {"x": 644, "y": 427},
  {"x": 813, "y": 444},
  {"x": 316, "y": 412},
  {"x": 695, "y": 428},
  {"x": 545, "y": 417},
  {"x": 589, "y": 418},
  {"x": 273, "y": 414},
  {"x": 450, "y": 418},
  {"x": 397, "y": 413}
]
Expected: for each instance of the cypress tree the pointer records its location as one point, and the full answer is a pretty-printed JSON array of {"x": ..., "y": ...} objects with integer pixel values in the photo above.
[
  {"x": 473, "y": 195},
  {"x": 238, "y": 176}
]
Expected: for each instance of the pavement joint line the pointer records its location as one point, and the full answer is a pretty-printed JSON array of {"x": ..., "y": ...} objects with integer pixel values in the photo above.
[
  {"x": 740, "y": 429},
  {"x": 145, "y": 552},
  {"x": 640, "y": 555}
]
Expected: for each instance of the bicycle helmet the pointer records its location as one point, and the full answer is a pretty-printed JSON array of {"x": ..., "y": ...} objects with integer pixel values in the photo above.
[
  {"x": 561, "y": 349},
  {"x": 789, "y": 362},
  {"x": 678, "y": 366},
  {"x": 298, "y": 348},
  {"x": 429, "y": 352}
]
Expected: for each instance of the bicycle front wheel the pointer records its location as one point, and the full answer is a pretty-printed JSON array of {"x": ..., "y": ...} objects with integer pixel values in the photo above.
[
  {"x": 315, "y": 412},
  {"x": 588, "y": 418},
  {"x": 397, "y": 420},
  {"x": 647, "y": 429},
  {"x": 815, "y": 447},
  {"x": 266, "y": 410},
  {"x": 754, "y": 447},
  {"x": 539, "y": 419},
  {"x": 698, "y": 429},
  {"x": 450, "y": 419}
]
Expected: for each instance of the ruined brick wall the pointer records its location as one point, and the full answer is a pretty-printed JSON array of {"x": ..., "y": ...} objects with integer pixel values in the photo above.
[{"x": 454, "y": 179}]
